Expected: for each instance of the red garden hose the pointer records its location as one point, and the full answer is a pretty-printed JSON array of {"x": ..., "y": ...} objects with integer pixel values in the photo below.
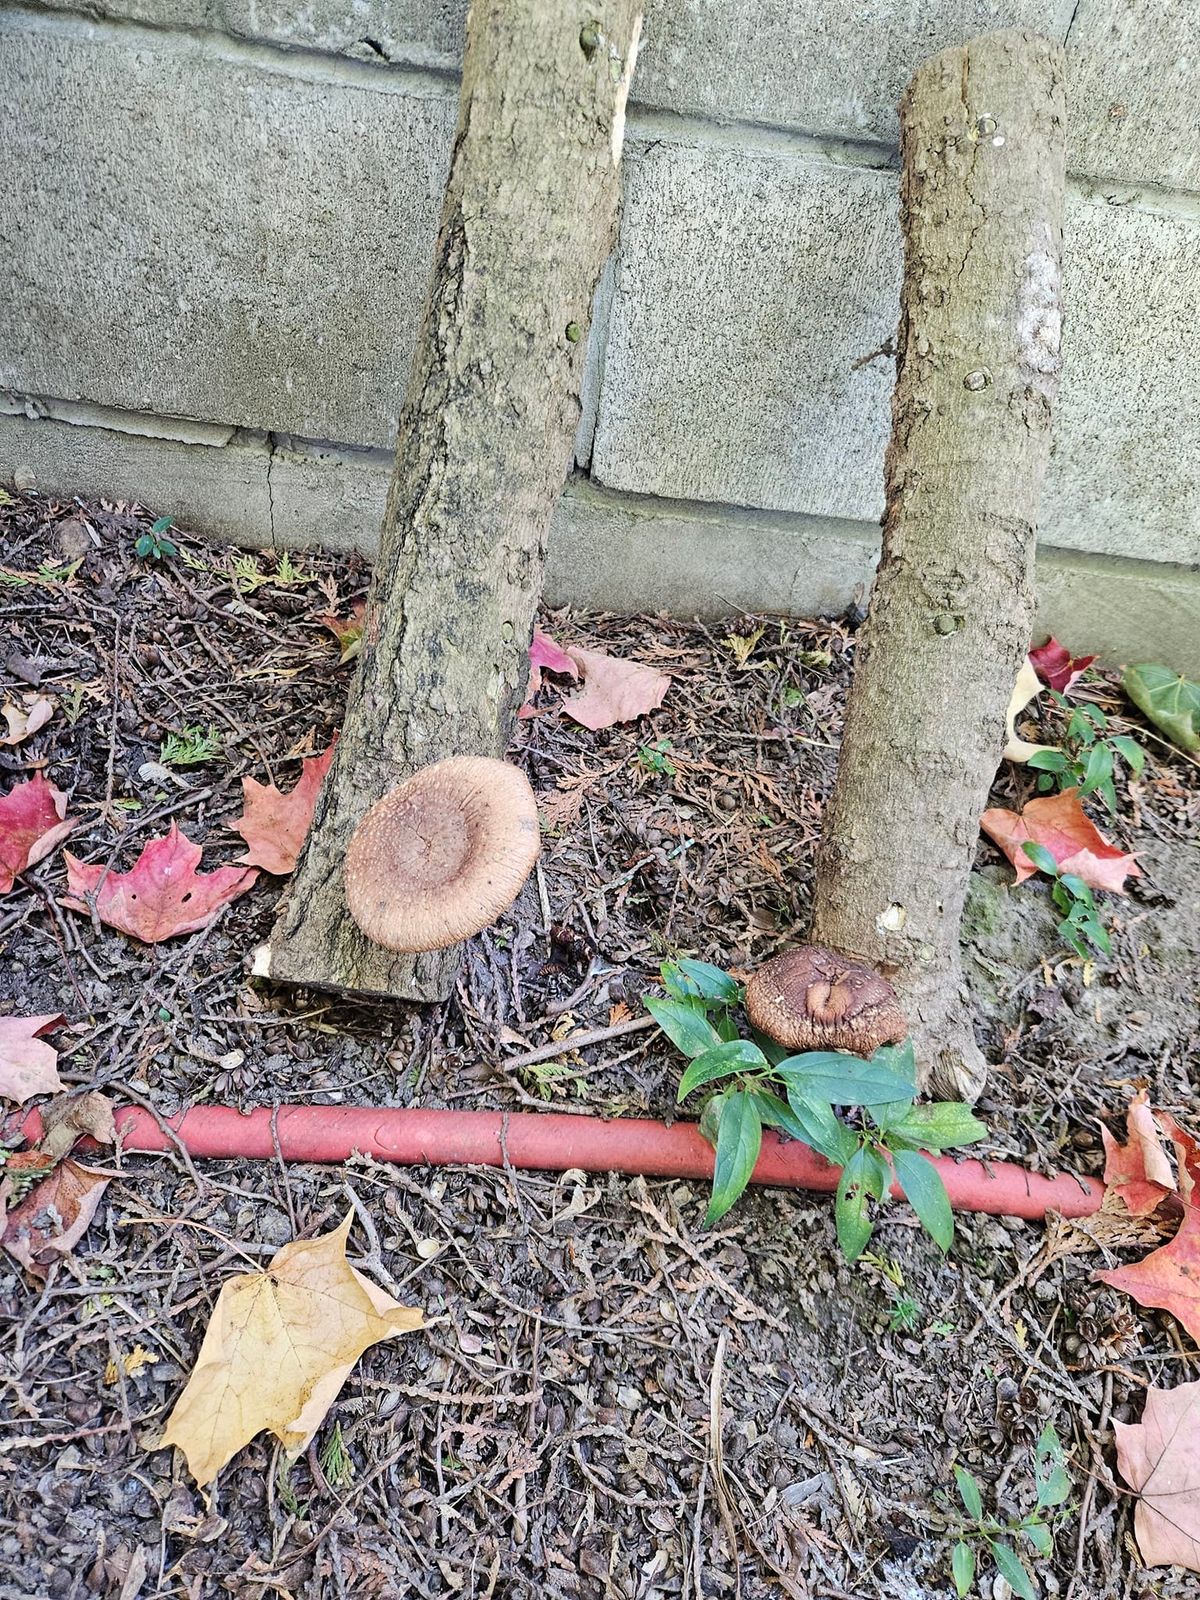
[{"x": 552, "y": 1142}]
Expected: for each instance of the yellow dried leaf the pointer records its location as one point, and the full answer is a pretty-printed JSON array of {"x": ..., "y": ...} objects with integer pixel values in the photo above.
[
  {"x": 1027, "y": 687},
  {"x": 137, "y": 1358},
  {"x": 278, "y": 1348},
  {"x": 741, "y": 645}
]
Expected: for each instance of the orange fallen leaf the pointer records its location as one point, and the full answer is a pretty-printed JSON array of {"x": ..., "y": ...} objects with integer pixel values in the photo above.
[
  {"x": 278, "y": 1348},
  {"x": 614, "y": 690},
  {"x": 1169, "y": 1277},
  {"x": 275, "y": 825},
  {"x": 31, "y": 825},
  {"x": 161, "y": 895},
  {"x": 27, "y": 719},
  {"x": 1140, "y": 1171},
  {"x": 52, "y": 1218},
  {"x": 1060, "y": 824},
  {"x": 27, "y": 1066},
  {"x": 1159, "y": 1457}
]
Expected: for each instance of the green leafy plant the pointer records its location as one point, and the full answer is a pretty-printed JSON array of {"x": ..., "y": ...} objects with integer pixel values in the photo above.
[
  {"x": 155, "y": 545},
  {"x": 1003, "y": 1540},
  {"x": 190, "y": 747},
  {"x": 656, "y": 758},
  {"x": 761, "y": 1085},
  {"x": 1081, "y": 925},
  {"x": 1089, "y": 755},
  {"x": 335, "y": 1460},
  {"x": 1171, "y": 702}
]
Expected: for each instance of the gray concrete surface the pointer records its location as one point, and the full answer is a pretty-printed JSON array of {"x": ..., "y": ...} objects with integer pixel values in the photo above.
[{"x": 608, "y": 551}]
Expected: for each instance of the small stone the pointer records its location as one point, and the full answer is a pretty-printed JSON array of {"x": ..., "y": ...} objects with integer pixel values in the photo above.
[
  {"x": 24, "y": 480},
  {"x": 978, "y": 379}
]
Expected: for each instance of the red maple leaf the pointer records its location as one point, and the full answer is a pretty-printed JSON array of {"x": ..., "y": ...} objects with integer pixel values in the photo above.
[
  {"x": 275, "y": 825},
  {"x": 27, "y": 1066},
  {"x": 1060, "y": 823},
  {"x": 545, "y": 656},
  {"x": 1054, "y": 665},
  {"x": 162, "y": 894},
  {"x": 1169, "y": 1277},
  {"x": 31, "y": 825}
]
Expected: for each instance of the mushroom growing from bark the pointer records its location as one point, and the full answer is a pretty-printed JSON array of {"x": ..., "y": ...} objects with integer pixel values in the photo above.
[
  {"x": 813, "y": 998},
  {"x": 443, "y": 854}
]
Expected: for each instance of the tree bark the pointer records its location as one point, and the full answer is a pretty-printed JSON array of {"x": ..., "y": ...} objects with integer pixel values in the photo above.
[
  {"x": 486, "y": 431},
  {"x": 982, "y": 144}
]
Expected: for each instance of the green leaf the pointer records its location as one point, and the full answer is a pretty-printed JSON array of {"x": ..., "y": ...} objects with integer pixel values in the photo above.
[
  {"x": 161, "y": 524},
  {"x": 677, "y": 985},
  {"x": 1012, "y": 1568},
  {"x": 711, "y": 982},
  {"x": 844, "y": 1080},
  {"x": 735, "y": 1055},
  {"x": 926, "y": 1193},
  {"x": 962, "y": 1567},
  {"x": 1048, "y": 761},
  {"x": 821, "y": 1128},
  {"x": 1099, "y": 769},
  {"x": 739, "y": 1140},
  {"x": 685, "y": 1027},
  {"x": 968, "y": 1493},
  {"x": 1078, "y": 890},
  {"x": 774, "y": 1052},
  {"x": 144, "y": 545},
  {"x": 942, "y": 1126},
  {"x": 726, "y": 1028},
  {"x": 1053, "y": 1479},
  {"x": 710, "y": 1118},
  {"x": 1131, "y": 752},
  {"x": 1171, "y": 702},
  {"x": 851, "y": 1214},
  {"x": 1041, "y": 858},
  {"x": 900, "y": 1059},
  {"x": 1040, "y": 1537}
]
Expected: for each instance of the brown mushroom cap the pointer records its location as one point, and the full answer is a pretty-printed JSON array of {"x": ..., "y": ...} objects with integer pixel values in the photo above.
[
  {"x": 443, "y": 854},
  {"x": 813, "y": 998}
]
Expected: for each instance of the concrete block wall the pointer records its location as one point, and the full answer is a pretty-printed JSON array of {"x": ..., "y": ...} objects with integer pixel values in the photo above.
[{"x": 217, "y": 217}]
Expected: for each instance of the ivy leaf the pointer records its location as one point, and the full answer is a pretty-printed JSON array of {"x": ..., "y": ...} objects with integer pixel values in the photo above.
[
  {"x": 1171, "y": 702},
  {"x": 739, "y": 1140},
  {"x": 734, "y": 1055}
]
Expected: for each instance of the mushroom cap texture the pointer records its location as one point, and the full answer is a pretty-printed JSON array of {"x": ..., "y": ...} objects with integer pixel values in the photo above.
[
  {"x": 813, "y": 998},
  {"x": 442, "y": 854}
]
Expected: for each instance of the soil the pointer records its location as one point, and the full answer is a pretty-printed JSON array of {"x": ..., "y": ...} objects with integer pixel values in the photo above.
[{"x": 551, "y": 1431}]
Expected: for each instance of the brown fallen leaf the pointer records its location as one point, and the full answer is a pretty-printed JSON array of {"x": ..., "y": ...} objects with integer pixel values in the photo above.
[
  {"x": 27, "y": 1066},
  {"x": 161, "y": 895},
  {"x": 69, "y": 1118},
  {"x": 614, "y": 690},
  {"x": 53, "y": 1216},
  {"x": 24, "y": 720},
  {"x": 278, "y": 1348},
  {"x": 1140, "y": 1171},
  {"x": 275, "y": 825},
  {"x": 348, "y": 631},
  {"x": 1159, "y": 1457}
]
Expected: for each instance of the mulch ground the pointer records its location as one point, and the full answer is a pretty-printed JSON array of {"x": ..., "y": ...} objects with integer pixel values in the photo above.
[{"x": 607, "y": 1400}]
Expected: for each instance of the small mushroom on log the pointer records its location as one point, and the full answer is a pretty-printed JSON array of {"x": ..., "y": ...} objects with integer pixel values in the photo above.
[
  {"x": 442, "y": 854},
  {"x": 814, "y": 998}
]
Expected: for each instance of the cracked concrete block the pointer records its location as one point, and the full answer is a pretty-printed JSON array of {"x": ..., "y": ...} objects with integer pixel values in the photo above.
[
  {"x": 198, "y": 233},
  {"x": 752, "y": 284}
]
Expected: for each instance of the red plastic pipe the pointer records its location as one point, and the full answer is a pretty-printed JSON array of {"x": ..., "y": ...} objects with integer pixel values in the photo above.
[{"x": 551, "y": 1142}]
